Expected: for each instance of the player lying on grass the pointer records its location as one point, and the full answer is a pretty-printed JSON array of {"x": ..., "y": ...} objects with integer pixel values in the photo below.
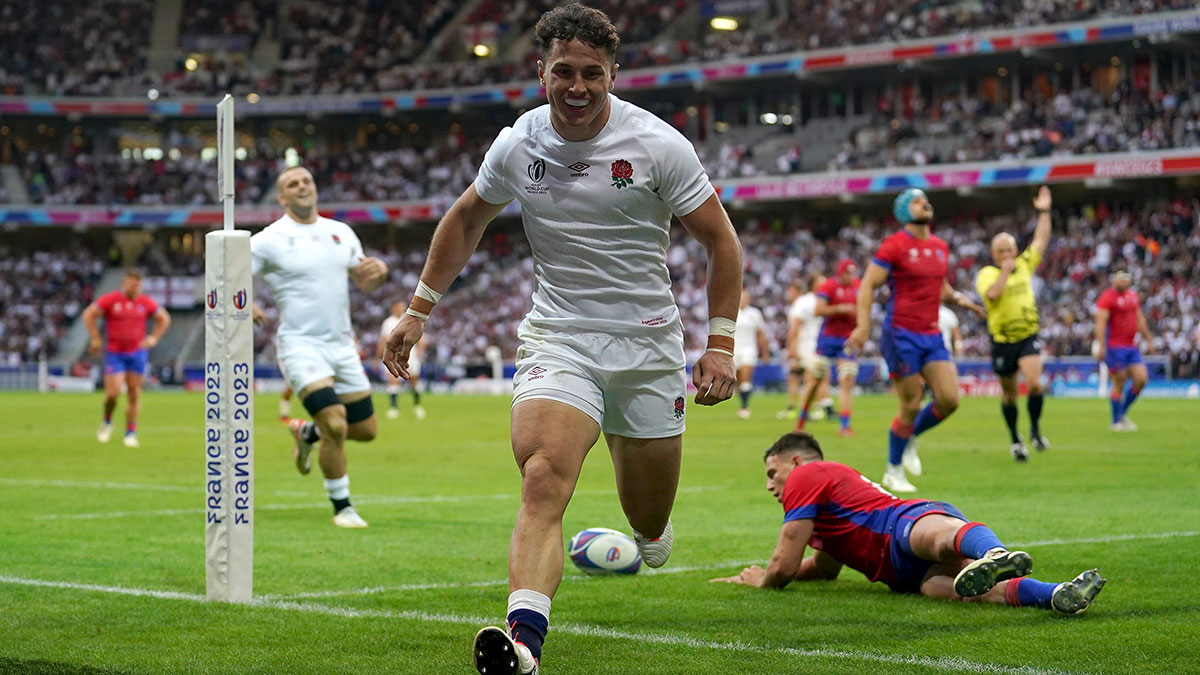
[{"x": 912, "y": 545}]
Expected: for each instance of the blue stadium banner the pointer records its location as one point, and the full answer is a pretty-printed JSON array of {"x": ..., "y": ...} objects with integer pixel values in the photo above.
[{"x": 731, "y": 7}]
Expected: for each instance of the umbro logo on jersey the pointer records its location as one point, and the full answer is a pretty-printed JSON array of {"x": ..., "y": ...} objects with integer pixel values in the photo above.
[{"x": 579, "y": 169}]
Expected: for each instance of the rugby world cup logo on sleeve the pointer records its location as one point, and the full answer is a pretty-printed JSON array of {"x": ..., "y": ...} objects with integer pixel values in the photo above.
[
  {"x": 622, "y": 173},
  {"x": 239, "y": 299},
  {"x": 212, "y": 299}
]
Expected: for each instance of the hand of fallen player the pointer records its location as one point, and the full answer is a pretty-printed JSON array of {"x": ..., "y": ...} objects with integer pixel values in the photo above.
[
  {"x": 714, "y": 378},
  {"x": 751, "y": 576},
  {"x": 399, "y": 345}
]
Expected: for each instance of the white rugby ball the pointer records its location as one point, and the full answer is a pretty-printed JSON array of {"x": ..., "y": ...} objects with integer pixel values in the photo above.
[{"x": 599, "y": 550}]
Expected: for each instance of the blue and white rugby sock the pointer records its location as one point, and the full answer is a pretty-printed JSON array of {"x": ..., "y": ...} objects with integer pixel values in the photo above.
[{"x": 529, "y": 619}]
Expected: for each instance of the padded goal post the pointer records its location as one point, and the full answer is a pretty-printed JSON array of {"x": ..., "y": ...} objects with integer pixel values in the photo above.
[{"x": 228, "y": 392}]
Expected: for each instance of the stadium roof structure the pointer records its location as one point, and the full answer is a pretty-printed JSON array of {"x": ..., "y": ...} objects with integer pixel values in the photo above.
[
  {"x": 796, "y": 64},
  {"x": 793, "y": 187}
]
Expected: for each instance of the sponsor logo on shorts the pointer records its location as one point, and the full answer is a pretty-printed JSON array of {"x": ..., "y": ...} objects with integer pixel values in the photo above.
[
  {"x": 536, "y": 373},
  {"x": 680, "y": 404}
]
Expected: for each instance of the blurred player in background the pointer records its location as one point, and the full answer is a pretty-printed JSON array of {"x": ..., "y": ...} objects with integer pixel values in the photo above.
[
  {"x": 305, "y": 260},
  {"x": 913, "y": 262},
  {"x": 750, "y": 342},
  {"x": 836, "y": 299},
  {"x": 1119, "y": 319},
  {"x": 414, "y": 367},
  {"x": 803, "y": 328},
  {"x": 285, "y": 402},
  {"x": 125, "y": 312},
  {"x": 912, "y": 545},
  {"x": 602, "y": 348},
  {"x": 948, "y": 326},
  {"x": 1006, "y": 287}
]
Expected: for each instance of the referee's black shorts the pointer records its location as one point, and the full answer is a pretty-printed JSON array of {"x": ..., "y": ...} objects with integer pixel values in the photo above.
[{"x": 1006, "y": 354}]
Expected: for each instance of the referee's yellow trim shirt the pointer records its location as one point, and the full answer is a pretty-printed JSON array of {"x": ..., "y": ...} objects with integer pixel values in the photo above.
[{"x": 1013, "y": 316}]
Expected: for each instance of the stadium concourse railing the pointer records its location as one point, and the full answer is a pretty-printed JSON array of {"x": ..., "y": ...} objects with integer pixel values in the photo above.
[
  {"x": 798, "y": 64},
  {"x": 1091, "y": 169}
]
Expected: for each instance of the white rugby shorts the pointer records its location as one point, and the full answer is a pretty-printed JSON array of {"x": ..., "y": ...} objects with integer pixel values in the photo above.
[
  {"x": 304, "y": 360},
  {"x": 633, "y": 386},
  {"x": 744, "y": 357}
]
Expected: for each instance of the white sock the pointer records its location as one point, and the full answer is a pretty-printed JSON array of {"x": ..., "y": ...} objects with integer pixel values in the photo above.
[
  {"x": 524, "y": 598},
  {"x": 338, "y": 488}
]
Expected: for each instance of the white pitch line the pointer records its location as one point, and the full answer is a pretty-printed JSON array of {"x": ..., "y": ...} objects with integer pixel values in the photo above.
[
  {"x": 956, "y": 664},
  {"x": 360, "y": 500},
  {"x": 371, "y": 590},
  {"x": 1110, "y": 539},
  {"x": 34, "y": 482}
]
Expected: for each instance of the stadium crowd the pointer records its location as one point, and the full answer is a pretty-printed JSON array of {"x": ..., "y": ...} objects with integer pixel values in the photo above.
[
  {"x": 41, "y": 294},
  {"x": 440, "y": 163},
  {"x": 954, "y": 128},
  {"x": 421, "y": 169},
  {"x": 99, "y": 48}
]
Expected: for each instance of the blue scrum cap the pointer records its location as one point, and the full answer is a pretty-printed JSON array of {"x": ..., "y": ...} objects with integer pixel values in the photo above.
[{"x": 900, "y": 206}]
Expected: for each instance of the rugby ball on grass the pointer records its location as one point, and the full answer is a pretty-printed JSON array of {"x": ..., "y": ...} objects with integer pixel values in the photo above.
[{"x": 599, "y": 550}]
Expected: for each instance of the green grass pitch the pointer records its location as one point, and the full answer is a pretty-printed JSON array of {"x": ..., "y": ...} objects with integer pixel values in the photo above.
[{"x": 102, "y": 570}]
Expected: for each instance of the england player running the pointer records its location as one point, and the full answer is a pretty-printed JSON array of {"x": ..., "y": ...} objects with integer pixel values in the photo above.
[
  {"x": 912, "y": 545},
  {"x": 750, "y": 340},
  {"x": 913, "y": 262},
  {"x": 305, "y": 260},
  {"x": 1119, "y": 319},
  {"x": 836, "y": 299},
  {"x": 598, "y": 180},
  {"x": 125, "y": 312},
  {"x": 1007, "y": 291},
  {"x": 414, "y": 367}
]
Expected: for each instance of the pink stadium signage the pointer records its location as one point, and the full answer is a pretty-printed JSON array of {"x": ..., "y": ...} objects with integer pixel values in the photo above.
[
  {"x": 795, "y": 63},
  {"x": 762, "y": 189}
]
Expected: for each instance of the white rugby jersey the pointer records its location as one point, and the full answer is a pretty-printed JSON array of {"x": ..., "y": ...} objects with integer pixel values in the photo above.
[
  {"x": 749, "y": 321},
  {"x": 805, "y": 309},
  {"x": 597, "y": 215},
  {"x": 307, "y": 269},
  {"x": 947, "y": 322}
]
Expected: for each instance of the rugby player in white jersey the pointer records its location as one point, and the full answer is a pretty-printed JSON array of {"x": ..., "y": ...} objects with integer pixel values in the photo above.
[
  {"x": 598, "y": 180},
  {"x": 414, "y": 367},
  {"x": 305, "y": 259},
  {"x": 750, "y": 340},
  {"x": 804, "y": 326}
]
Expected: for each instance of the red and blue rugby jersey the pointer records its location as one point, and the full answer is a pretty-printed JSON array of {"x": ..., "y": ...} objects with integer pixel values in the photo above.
[
  {"x": 837, "y": 293},
  {"x": 917, "y": 268},
  {"x": 849, "y": 514}
]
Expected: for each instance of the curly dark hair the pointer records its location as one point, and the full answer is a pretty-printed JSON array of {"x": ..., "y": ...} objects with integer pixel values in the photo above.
[
  {"x": 577, "y": 22},
  {"x": 796, "y": 441}
]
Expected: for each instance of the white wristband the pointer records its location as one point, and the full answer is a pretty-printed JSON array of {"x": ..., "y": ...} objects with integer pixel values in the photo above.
[
  {"x": 424, "y": 291},
  {"x": 719, "y": 325},
  {"x": 718, "y": 350},
  {"x": 412, "y": 312}
]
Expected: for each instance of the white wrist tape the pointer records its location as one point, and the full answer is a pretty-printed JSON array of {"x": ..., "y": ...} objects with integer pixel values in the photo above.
[
  {"x": 424, "y": 291},
  {"x": 719, "y": 325}
]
